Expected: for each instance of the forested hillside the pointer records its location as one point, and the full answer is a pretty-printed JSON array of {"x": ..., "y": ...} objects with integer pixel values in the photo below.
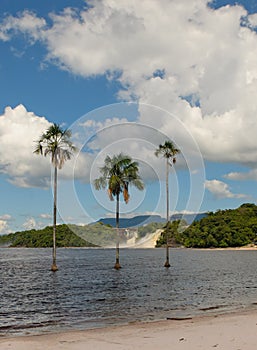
[
  {"x": 65, "y": 237},
  {"x": 224, "y": 228},
  {"x": 74, "y": 236}
]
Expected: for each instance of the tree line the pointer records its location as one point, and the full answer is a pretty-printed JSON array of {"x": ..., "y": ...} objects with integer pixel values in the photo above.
[
  {"x": 65, "y": 237},
  {"x": 222, "y": 229},
  {"x": 73, "y": 236}
]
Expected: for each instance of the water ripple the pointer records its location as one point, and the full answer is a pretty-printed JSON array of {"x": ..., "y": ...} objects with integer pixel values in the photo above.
[{"x": 87, "y": 292}]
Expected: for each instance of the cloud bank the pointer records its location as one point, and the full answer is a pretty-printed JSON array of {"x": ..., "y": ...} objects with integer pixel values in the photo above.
[
  {"x": 194, "y": 61},
  {"x": 19, "y": 131}
]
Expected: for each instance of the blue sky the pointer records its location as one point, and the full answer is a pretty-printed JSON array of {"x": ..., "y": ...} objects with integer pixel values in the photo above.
[{"x": 125, "y": 76}]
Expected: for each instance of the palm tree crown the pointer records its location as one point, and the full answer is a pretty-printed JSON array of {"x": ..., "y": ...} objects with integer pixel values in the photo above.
[
  {"x": 168, "y": 150},
  {"x": 56, "y": 143},
  {"x": 117, "y": 173}
]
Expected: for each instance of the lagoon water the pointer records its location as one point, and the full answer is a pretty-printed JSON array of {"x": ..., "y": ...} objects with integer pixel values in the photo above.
[{"x": 87, "y": 292}]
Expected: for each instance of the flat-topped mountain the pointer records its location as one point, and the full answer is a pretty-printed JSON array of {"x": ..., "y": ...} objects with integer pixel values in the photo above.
[{"x": 142, "y": 220}]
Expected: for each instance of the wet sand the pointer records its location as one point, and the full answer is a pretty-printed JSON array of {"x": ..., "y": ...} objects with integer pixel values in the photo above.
[{"x": 235, "y": 331}]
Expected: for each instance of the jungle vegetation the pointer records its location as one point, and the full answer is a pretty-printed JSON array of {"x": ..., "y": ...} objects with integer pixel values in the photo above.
[
  {"x": 43, "y": 238},
  {"x": 222, "y": 229}
]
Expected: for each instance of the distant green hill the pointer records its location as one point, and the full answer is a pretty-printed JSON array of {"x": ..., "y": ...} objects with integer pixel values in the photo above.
[
  {"x": 65, "y": 237},
  {"x": 224, "y": 228},
  {"x": 74, "y": 236}
]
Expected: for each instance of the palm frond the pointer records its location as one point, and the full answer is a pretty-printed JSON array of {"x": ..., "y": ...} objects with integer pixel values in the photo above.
[
  {"x": 119, "y": 172},
  {"x": 100, "y": 183},
  {"x": 39, "y": 148},
  {"x": 167, "y": 150},
  {"x": 126, "y": 194},
  {"x": 110, "y": 194},
  {"x": 56, "y": 142}
]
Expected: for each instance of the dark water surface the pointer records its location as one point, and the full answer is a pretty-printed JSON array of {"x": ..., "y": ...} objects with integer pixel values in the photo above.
[{"x": 87, "y": 292}]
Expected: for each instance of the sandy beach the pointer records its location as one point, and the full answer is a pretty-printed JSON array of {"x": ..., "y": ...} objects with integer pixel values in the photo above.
[{"x": 236, "y": 331}]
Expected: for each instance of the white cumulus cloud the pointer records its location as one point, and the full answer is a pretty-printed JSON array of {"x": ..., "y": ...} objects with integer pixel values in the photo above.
[
  {"x": 251, "y": 175},
  {"x": 25, "y": 22},
  {"x": 196, "y": 62},
  {"x": 29, "y": 224},
  {"x": 5, "y": 217},
  {"x": 45, "y": 216},
  {"x": 221, "y": 190},
  {"x": 3, "y": 226},
  {"x": 19, "y": 131}
]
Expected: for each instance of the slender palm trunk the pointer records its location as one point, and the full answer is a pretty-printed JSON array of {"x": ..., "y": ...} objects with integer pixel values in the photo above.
[
  {"x": 54, "y": 266},
  {"x": 167, "y": 262},
  {"x": 117, "y": 262}
]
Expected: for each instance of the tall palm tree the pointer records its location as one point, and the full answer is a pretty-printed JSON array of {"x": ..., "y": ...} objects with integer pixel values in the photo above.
[
  {"x": 117, "y": 174},
  {"x": 168, "y": 151},
  {"x": 56, "y": 143}
]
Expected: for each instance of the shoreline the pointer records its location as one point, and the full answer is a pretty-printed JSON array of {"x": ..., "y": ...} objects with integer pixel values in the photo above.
[
  {"x": 234, "y": 330},
  {"x": 250, "y": 247},
  {"x": 246, "y": 248}
]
